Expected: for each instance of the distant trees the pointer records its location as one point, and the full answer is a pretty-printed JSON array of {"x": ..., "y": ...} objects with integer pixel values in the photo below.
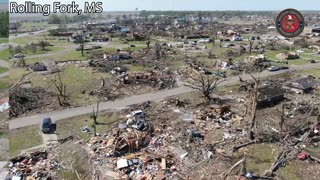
[{"x": 4, "y": 24}]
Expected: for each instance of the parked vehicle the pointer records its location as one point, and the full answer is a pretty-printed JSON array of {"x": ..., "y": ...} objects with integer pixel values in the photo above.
[
  {"x": 46, "y": 125},
  {"x": 19, "y": 56},
  {"x": 284, "y": 67},
  {"x": 274, "y": 68},
  {"x": 96, "y": 47},
  {"x": 220, "y": 74}
]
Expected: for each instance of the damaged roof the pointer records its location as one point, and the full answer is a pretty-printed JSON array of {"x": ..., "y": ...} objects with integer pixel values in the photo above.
[
  {"x": 303, "y": 83},
  {"x": 269, "y": 91}
]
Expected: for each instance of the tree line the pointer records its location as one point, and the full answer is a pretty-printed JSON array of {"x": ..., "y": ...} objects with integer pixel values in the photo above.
[{"x": 4, "y": 24}]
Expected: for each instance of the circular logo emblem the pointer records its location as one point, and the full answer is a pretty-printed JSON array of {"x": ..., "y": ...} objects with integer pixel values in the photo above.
[{"x": 290, "y": 23}]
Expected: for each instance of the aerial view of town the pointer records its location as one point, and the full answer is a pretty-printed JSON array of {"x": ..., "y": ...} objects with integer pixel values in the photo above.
[
  {"x": 4, "y": 86},
  {"x": 160, "y": 94}
]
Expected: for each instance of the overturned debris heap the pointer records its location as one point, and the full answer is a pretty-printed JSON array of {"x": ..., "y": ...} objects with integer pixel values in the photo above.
[
  {"x": 36, "y": 165},
  {"x": 132, "y": 149}
]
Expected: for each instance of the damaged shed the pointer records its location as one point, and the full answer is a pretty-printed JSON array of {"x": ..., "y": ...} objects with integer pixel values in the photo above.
[
  {"x": 270, "y": 95},
  {"x": 302, "y": 85}
]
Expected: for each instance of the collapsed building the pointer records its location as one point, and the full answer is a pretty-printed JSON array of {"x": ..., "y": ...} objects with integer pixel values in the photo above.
[
  {"x": 302, "y": 85},
  {"x": 153, "y": 78}
]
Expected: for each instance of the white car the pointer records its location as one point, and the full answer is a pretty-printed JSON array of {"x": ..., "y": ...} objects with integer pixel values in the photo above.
[{"x": 19, "y": 55}]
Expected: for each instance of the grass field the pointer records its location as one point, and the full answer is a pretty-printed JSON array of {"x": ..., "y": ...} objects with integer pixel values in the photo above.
[
  {"x": 4, "y": 84},
  {"x": 313, "y": 72},
  {"x": 72, "y": 126},
  {"x": 3, "y": 69},
  {"x": 4, "y": 54},
  {"x": 4, "y": 40},
  {"x": 304, "y": 57},
  {"x": 76, "y": 79},
  {"x": 23, "y": 138}
]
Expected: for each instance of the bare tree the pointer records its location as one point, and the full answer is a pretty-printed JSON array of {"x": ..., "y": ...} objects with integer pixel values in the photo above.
[
  {"x": 148, "y": 43},
  {"x": 82, "y": 48},
  {"x": 94, "y": 116},
  {"x": 158, "y": 51},
  {"x": 62, "y": 90},
  {"x": 23, "y": 61},
  {"x": 213, "y": 40},
  {"x": 251, "y": 41},
  {"x": 254, "y": 102},
  {"x": 22, "y": 80},
  {"x": 205, "y": 84}
]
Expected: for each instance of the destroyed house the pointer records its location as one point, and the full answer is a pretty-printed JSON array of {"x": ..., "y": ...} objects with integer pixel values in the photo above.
[
  {"x": 38, "y": 67},
  {"x": 270, "y": 95},
  {"x": 117, "y": 57},
  {"x": 100, "y": 39},
  {"x": 196, "y": 36},
  {"x": 141, "y": 78},
  {"x": 302, "y": 85}
]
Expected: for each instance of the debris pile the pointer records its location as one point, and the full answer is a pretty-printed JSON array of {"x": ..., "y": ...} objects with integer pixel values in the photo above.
[
  {"x": 134, "y": 149},
  {"x": 222, "y": 115},
  {"x": 24, "y": 100},
  {"x": 153, "y": 79},
  {"x": 36, "y": 165}
]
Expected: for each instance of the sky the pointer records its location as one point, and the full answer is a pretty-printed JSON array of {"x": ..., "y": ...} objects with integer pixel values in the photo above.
[{"x": 131, "y": 5}]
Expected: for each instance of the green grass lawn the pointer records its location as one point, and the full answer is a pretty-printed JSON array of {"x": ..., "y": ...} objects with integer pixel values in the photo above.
[
  {"x": 4, "y": 54},
  {"x": 4, "y": 84},
  {"x": 313, "y": 72},
  {"x": 26, "y": 39},
  {"x": 71, "y": 55},
  {"x": 28, "y": 26},
  {"x": 3, "y": 69},
  {"x": 23, "y": 138},
  {"x": 291, "y": 171},
  {"x": 304, "y": 57},
  {"x": 3, "y": 135},
  {"x": 259, "y": 157},
  {"x": 72, "y": 126},
  {"x": 49, "y": 49},
  {"x": 77, "y": 81},
  {"x": 15, "y": 74},
  {"x": 4, "y": 40}
]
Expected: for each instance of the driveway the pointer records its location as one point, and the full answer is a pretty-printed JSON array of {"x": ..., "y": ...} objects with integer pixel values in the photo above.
[{"x": 49, "y": 138}]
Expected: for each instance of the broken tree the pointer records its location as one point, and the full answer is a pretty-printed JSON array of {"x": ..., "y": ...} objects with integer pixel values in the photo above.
[{"x": 205, "y": 84}]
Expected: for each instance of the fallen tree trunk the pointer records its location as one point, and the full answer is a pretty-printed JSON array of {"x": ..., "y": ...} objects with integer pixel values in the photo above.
[
  {"x": 282, "y": 157},
  {"x": 226, "y": 174},
  {"x": 315, "y": 159},
  {"x": 237, "y": 147}
]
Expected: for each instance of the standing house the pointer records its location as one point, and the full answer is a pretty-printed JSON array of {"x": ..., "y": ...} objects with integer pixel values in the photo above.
[{"x": 302, "y": 85}]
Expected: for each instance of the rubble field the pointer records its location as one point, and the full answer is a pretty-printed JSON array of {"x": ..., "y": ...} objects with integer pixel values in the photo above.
[{"x": 184, "y": 138}]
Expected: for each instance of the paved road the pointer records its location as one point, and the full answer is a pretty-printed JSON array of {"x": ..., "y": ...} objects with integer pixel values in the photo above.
[
  {"x": 5, "y": 74},
  {"x": 27, "y": 34},
  {"x": 123, "y": 103},
  {"x": 4, "y": 63},
  {"x": 65, "y": 51}
]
